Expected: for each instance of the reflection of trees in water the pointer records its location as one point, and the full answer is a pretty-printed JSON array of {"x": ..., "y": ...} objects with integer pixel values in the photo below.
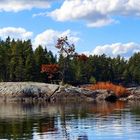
[
  {"x": 47, "y": 125},
  {"x": 10, "y": 129},
  {"x": 63, "y": 123},
  {"x": 135, "y": 107},
  {"x": 76, "y": 112},
  {"x": 23, "y": 126},
  {"x": 16, "y": 129}
]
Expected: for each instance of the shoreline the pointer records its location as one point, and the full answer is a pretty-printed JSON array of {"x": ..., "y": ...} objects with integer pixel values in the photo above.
[{"x": 35, "y": 91}]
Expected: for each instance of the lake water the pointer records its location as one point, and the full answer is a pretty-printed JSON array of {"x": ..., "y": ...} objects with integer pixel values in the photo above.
[{"x": 70, "y": 121}]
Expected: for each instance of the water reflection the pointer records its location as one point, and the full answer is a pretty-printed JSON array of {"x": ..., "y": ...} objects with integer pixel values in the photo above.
[{"x": 66, "y": 121}]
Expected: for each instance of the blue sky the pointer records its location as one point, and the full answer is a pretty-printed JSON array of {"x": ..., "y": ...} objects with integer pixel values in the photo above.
[{"x": 94, "y": 26}]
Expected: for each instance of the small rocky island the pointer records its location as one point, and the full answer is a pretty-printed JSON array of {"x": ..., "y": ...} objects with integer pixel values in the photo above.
[{"x": 33, "y": 91}]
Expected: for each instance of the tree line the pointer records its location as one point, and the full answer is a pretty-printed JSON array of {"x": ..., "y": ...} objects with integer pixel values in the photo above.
[{"x": 19, "y": 62}]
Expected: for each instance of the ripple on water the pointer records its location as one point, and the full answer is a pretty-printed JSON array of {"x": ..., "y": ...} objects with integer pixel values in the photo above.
[{"x": 117, "y": 121}]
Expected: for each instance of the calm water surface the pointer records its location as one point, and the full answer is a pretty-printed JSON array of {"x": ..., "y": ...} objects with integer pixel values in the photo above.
[{"x": 70, "y": 121}]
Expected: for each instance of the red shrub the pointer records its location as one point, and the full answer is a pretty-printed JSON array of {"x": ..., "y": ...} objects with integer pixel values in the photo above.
[
  {"x": 117, "y": 89},
  {"x": 50, "y": 68},
  {"x": 82, "y": 57}
]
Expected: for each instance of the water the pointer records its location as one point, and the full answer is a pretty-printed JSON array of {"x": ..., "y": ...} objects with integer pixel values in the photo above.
[{"x": 70, "y": 121}]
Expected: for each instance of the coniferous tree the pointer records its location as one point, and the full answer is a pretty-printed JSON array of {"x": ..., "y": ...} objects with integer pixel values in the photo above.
[
  {"x": 40, "y": 58},
  {"x": 19, "y": 62},
  {"x": 134, "y": 68},
  {"x": 2, "y": 65},
  {"x": 29, "y": 64}
]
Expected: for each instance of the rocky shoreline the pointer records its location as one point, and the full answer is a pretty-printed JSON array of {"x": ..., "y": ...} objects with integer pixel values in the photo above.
[{"x": 33, "y": 91}]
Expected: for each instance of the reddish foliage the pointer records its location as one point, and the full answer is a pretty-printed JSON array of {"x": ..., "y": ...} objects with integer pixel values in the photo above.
[
  {"x": 64, "y": 46},
  {"x": 60, "y": 43},
  {"x": 82, "y": 57},
  {"x": 50, "y": 68},
  {"x": 117, "y": 89}
]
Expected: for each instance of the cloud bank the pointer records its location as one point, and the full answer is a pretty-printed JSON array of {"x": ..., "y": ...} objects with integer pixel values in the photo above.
[
  {"x": 125, "y": 50},
  {"x": 49, "y": 37},
  {"x": 19, "y": 5},
  {"x": 96, "y": 13},
  {"x": 16, "y": 33}
]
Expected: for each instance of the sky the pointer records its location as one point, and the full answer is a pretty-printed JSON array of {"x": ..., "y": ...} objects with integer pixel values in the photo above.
[{"x": 111, "y": 27}]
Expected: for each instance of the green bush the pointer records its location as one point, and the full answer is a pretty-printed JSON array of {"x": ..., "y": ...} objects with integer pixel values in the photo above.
[{"x": 92, "y": 80}]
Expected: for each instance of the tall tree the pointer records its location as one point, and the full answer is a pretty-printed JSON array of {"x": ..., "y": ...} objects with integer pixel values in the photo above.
[
  {"x": 134, "y": 68},
  {"x": 29, "y": 63},
  {"x": 66, "y": 51},
  {"x": 40, "y": 58}
]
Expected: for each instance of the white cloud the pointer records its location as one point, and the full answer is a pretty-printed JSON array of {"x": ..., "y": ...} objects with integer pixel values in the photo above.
[
  {"x": 96, "y": 13},
  {"x": 101, "y": 22},
  {"x": 16, "y": 33},
  {"x": 49, "y": 37},
  {"x": 124, "y": 50},
  {"x": 19, "y": 5},
  {"x": 40, "y": 14}
]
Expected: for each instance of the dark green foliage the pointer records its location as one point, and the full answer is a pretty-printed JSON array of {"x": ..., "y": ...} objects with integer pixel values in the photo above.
[
  {"x": 19, "y": 62},
  {"x": 134, "y": 68}
]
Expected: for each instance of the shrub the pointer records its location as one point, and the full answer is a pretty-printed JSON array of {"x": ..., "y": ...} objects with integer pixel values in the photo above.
[
  {"x": 92, "y": 80},
  {"x": 117, "y": 89}
]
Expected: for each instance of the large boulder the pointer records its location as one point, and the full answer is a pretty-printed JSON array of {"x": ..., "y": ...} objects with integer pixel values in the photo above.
[
  {"x": 106, "y": 95},
  {"x": 51, "y": 92},
  {"x": 26, "y": 90},
  {"x": 75, "y": 93}
]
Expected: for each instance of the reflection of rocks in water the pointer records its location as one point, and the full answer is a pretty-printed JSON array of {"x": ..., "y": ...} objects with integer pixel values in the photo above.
[
  {"x": 22, "y": 110},
  {"x": 107, "y": 108},
  {"x": 18, "y": 120},
  {"x": 22, "y": 121},
  {"x": 67, "y": 121},
  {"x": 82, "y": 109}
]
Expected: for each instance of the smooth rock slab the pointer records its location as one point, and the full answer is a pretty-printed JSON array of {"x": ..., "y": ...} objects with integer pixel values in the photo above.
[
  {"x": 50, "y": 92},
  {"x": 27, "y": 89}
]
